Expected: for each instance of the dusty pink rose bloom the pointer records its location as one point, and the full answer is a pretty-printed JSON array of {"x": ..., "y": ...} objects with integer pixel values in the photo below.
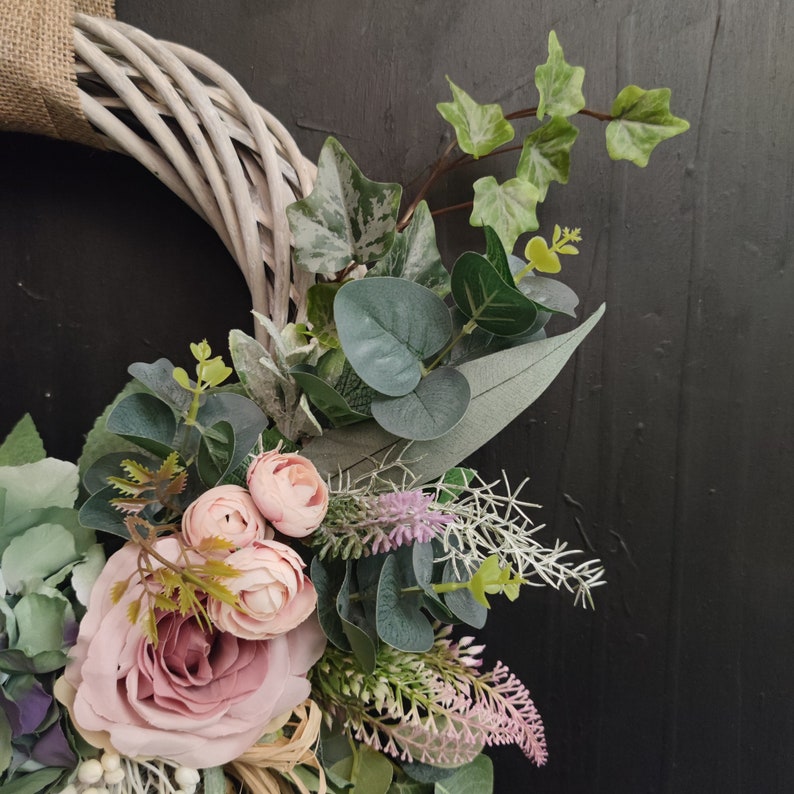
[
  {"x": 289, "y": 492},
  {"x": 273, "y": 591},
  {"x": 226, "y": 511},
  {"x": 199, "y": 698}
]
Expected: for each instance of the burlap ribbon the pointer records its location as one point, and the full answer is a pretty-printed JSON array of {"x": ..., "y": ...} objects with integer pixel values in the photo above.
[{"x": 38, "y": 87}]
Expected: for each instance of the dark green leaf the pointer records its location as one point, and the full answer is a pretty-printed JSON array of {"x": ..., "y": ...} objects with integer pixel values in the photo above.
[
  {"x": 509, "y": 208},
  {"x": 454, "y": 481},
  {"x": 479, "y": 128},
  {"x": 15, "y": 660},
  {"x": 325, "y": 397},
  {"x": 559, "y": 84},
  {"x": 360, "y": 634},
  {"x": 495, "y": 253},
  {"x": 327, "y": 578},
  {"x": 546, "y": 155},
  {"x": 373, "y": 772},
  {"x": 32, "y": 782},
  {"x": 215, "y": 454},
  {"x": 387, "y": 327},
  {"x": 432, "y": 409},
  {"x": 415, "y": 256},
  {"x": 98, "y": 514},
  {"x": 483, "y": 296},
  {"x": 346, "y": 218},
  {"x": 642, "y": 120}
]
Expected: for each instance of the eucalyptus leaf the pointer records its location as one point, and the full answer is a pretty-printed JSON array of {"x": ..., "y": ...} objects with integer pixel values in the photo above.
[
  {"x": 479, "y": 128},
  {"x": 475, "y": 777},
  {"x": 486, "y": 298},
  {"x": 503, "y": 385},
  {"x": 23, "y": 444},
  {"x": 641, "y": 121},
  {"x": 400, "y": 620},
  {"x": 432, "y": 409},
  {"x": 546, "y": 155},
  {"x": 346, "y": 218},
  {"x": 509, "y": 208},
  {"x": 146, "y": 421},
  {"x": 414, "y": 255},
  {"x": 159, "y": 378},
  {"x": 552, "y": 295},
  {"x": 40, "y": 623},
  {"x": 387, "y": 327},
  {"x": 497, "y": 256},
  {"x": 215, "y": 454},
  {"x": 462, "y": 603},
  {"x": 15, "y": 660},
  {"x": 98, "y": 514},
  {"x": 373, "y": 772},
  {"x": 559, "y": 84}
]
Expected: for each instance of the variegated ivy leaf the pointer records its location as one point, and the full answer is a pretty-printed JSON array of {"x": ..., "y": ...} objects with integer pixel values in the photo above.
[
  {"x": 546, "y": 155},
  {"x": 642, "y": 120},
  {"x": 415, "y": 255},
  {"x": 346, "y": 218},
  {"x": 479, "y": 128},
  {"x": 559, "y": 84},
  {"x": 509, "y": 208}
]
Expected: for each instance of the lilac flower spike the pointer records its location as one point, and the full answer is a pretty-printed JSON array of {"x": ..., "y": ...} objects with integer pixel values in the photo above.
[{"x": 405, "y": 517}]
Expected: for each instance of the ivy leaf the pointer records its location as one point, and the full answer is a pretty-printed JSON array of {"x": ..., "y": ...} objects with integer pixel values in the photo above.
[
  {"x": 479, "y": 128},
  {"x": 432, "y": 409},
  {"x": 642, "y": 120},
  {"x": 546, "y": 155},
  {"x": 559, "y": 84},
  {"x": 320, "y": 308},
  {"x": 415, "y": 255},
  {"x": 346, "y": 218},
  {"x": 483, "y": 296},
  {"x": 387, "y": 327},
  {"x": 508, "y": 208}
]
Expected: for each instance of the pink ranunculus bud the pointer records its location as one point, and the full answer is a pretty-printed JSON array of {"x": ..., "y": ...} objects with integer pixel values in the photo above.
[
  {"x": 289, "y": 492},
  {"x": 199, "y": 698},
  {"x": 228, "y": 512},
  {"x": 274, "y": 593}
]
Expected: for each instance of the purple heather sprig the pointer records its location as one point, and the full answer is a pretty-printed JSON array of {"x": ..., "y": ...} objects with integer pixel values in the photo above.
[{"x": 362, "y": 522}]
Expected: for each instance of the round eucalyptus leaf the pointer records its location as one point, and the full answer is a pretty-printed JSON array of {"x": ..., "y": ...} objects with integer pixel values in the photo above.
[
  {"x": 550, "y": 294},
  {"x": 432, "y": 409},
  {"x": 387, "y": 327}
]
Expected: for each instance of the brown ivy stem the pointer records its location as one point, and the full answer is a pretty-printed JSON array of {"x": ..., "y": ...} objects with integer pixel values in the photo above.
[
  {"x": 442, "y": 167},
  {"x": 453, "y": 208}
]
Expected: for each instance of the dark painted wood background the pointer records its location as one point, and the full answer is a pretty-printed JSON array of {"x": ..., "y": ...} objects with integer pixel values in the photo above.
[{"x": 666, "y": 445}]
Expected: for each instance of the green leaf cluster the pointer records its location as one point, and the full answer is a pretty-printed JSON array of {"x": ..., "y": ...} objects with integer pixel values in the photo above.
[
  {"x": 164, "y": 441},
  {"x": 48, "y": 564},
  {"x": 639, "y": 120}
]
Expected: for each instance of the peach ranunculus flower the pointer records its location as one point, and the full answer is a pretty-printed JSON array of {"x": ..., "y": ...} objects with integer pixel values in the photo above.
[
  {"x": 199, "y": 698},
  {"x": 226, "y": 511},
  {"x": 289, "y": 492},
  {"x": 274, "y": 593}
]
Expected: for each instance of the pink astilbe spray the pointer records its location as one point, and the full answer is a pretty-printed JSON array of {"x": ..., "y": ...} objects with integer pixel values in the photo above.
[{"x": 434, "y": 707}]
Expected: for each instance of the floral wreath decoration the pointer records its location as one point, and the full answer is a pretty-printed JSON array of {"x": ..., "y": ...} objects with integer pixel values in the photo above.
[{"x": 303, "y": 559}]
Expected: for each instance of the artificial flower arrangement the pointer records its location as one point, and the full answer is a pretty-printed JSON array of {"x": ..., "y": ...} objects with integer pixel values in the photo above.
[{"x": 293, "y": 561}]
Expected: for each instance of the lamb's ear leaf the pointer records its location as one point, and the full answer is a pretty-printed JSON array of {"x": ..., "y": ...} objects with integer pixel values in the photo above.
[{"x": 503, "y": 385}]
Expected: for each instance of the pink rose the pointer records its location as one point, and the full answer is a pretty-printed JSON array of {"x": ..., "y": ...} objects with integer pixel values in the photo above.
[
  {"x": 199, "y": 698},
  {"x": 289, "y": 492},
  {"x": 272, "y": 589},
  {"x": 228, "y": 512}
]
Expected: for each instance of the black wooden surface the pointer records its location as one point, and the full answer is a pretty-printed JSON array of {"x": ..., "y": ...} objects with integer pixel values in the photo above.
[{"x": 665, "y": 446}]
